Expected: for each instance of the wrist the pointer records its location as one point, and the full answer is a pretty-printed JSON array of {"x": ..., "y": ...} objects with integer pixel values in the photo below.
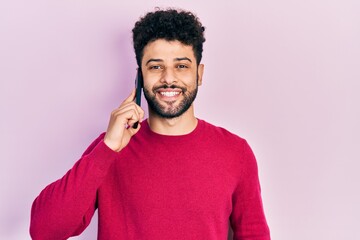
[{"x": 112, "y": 145}]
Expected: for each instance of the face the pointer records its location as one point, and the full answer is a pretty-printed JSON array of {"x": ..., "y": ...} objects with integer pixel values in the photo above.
[{"x": 171, "y": 77}]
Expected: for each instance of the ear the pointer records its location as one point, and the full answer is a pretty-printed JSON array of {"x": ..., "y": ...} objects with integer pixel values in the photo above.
[{"x": 200, "y": 73}]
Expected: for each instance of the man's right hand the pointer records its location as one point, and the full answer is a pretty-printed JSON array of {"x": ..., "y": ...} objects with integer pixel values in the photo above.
[{"x": 120, "y": 130}]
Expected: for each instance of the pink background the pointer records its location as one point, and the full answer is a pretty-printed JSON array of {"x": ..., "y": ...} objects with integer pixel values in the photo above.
[{"x": 283, "y": 74}]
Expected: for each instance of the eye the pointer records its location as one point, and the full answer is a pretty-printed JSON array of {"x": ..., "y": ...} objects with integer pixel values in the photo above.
[
  {"x": 155, "y": 67},
  {"x": 182, "y": 66}
]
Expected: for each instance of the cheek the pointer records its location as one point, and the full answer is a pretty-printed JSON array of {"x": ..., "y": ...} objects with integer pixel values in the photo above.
[
  {"x": 149, "y": 80},
  {"x": 149, "y": 83},
  {"x": 189, "y": 78}
]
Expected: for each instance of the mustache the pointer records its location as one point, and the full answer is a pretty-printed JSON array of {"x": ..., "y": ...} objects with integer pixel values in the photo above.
[{"x": 172, "y": 86}]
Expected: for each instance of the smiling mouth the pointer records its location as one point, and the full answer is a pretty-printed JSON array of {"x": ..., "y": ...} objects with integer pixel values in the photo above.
[{"x": 169, "y": 94}]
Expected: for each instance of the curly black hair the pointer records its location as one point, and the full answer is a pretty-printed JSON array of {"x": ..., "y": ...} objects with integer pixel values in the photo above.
[{"x": 170, "y": 24}]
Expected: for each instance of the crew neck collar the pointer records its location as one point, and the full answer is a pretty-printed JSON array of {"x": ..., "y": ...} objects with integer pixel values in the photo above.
[{"x": 147, "y": 130}]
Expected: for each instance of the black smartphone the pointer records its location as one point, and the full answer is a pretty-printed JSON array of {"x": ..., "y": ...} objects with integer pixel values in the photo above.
[{"x": 138, "y": 86}]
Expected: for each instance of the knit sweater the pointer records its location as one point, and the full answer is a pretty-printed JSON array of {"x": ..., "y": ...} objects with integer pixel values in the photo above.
[{"x": 158, "y": 187}]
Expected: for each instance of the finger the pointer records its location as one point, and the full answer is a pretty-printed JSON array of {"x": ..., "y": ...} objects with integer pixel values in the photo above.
[
  {"x": 131, "y": 97},
  {"x": 129, "y": 106},
  {"x": 126, "y": 108},
  {"x": 141, "y": 116},
  {"x": 126, "y": 116},
  {"x": 132, "y": 123},
  {"x": 133, "y": 130},
  {"x": 140, "y": 111}
]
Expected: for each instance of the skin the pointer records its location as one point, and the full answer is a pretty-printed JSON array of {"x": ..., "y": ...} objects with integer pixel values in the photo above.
[{"x": 164, "y": 63}]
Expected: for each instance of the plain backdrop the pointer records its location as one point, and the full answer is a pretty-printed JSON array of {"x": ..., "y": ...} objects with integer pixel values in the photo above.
[{"x": 284, "y": 74}]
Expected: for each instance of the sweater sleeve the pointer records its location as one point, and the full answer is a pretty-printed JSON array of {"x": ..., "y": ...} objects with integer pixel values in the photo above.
[
  {"x": 65, "y": 207},
  {"x": 247, "y": 218}
]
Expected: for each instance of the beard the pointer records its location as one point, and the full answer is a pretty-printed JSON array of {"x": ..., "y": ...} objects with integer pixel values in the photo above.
[{"x": 171, "y": 110}]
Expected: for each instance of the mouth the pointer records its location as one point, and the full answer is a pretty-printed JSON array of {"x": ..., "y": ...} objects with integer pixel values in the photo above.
[{"x": 169, "y": 94}]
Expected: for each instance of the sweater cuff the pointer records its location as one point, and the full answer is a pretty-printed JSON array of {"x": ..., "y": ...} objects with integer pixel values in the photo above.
[{"x": 102, "y": 156}]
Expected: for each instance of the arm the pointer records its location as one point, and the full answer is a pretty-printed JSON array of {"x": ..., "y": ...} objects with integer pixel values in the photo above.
[
  {"x": 247, "y": 218},
  {"x": 65, "y": 207}
]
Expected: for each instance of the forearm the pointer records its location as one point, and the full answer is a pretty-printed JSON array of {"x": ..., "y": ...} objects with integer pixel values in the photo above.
[
  {"x": 248, "y": 219},
  {"x": 250, "y": 224},
  {"x": 65, "y": 207}
]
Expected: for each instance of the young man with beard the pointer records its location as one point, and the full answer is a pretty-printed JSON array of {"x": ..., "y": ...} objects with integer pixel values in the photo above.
[{"x": 173, "y": 176}]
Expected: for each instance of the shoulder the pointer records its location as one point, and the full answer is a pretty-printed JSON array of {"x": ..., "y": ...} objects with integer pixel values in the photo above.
[
  {"x": 221, "y": 133},
  {"x": 224, "y": 140},
  {"x": 234, "y": 149}
]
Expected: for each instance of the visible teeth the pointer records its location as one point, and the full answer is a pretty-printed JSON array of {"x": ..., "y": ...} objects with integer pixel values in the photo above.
[{"x": 169, "y": 94}]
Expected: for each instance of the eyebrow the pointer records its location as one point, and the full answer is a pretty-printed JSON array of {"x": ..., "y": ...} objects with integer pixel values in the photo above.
[
  {"x": 160, "y": 60},
  {"x": 183, "y": 58},
  {"x": 154, "y": 60}
]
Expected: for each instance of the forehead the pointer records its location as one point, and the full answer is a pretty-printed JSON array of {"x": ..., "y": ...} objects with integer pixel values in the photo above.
[{"x": 167, "y": 50}]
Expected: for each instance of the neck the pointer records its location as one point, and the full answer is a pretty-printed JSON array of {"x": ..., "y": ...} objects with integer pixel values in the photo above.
[{"x": 181, "y": 125}]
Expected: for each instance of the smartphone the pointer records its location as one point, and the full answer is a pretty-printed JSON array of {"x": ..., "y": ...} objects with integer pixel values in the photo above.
[{"x": 138, "y": 86}]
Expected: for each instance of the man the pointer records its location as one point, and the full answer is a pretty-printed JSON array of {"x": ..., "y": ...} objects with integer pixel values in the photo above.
[{"x": 173, "y": 176}]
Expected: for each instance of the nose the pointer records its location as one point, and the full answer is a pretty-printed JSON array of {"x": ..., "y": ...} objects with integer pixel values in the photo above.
[{"x": 168, "y": 76}]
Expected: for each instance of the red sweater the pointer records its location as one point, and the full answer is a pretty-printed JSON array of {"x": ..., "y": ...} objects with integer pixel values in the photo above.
[{"x": 158, "y": 187}]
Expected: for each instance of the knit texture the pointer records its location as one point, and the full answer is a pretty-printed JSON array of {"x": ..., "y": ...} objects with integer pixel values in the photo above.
[{"x": 158, "y": 187}]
